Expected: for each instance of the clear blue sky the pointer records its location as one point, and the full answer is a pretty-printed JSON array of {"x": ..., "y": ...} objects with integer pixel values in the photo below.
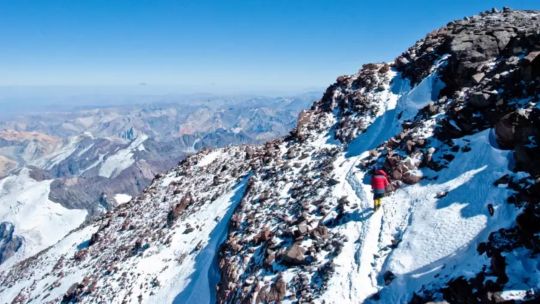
[{"x": 211, "y": 45}]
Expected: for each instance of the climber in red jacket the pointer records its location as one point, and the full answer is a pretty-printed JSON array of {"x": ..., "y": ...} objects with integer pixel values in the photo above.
[{"x": 379, "y": 182}]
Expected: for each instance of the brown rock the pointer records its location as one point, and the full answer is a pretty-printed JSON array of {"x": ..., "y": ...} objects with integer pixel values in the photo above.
[
  {"x": 410, "y": 178},
  {"x": 263, "y": 236},
  {"x": 294, "y": 255},
  {"x": 321, "y": 232},
  {"x": 302, "y": 228},
  {"x": 80, "y": 255},
  {"x": 270, "y": 258},
  {"x": 532, "y": 56}
]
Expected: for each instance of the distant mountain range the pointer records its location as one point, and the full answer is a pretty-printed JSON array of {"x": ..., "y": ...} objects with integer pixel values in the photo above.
[{"x": 59, "y": 168}]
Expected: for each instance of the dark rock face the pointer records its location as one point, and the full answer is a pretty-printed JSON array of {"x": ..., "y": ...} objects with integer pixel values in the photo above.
[
  {"x": 9, "y": 242},
  {"x": 470, "y": 43}
]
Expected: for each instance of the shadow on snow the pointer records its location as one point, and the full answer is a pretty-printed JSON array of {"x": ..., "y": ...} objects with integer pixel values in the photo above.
[{"x": 203, "y": 282}]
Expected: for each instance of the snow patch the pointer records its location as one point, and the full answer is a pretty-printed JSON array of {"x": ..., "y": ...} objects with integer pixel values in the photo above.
[
  {"x": 40, "y": 221},
  {"x": 122, "y": 198},
  {"x": 209, "y": 158},
  {"x": 44, "y": 266},
  {"x": 122, "y": 159}
]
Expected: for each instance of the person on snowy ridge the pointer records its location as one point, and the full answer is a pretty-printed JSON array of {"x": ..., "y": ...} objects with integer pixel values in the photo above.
[{"x": 379, "y": 183}]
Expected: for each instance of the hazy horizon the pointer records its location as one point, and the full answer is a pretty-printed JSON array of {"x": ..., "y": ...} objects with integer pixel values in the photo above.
[
  {"x": 212, "y": 46},
  {"x": 28, "y": 100}
]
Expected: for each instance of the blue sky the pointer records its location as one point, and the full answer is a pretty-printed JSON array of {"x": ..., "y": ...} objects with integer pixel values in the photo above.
[{"x": 211, "y": 45}]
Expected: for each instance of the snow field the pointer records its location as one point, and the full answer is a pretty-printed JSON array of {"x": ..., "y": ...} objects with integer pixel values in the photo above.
[{"x": 41, "y": 222}]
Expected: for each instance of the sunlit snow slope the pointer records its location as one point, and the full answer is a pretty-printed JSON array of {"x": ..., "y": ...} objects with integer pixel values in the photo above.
[{"x": 25, "y": 203}]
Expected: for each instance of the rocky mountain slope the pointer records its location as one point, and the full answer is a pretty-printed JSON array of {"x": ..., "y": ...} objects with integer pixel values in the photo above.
[
  {"x": 454, "y": 120},
  {"x": 58, "y": 169}
]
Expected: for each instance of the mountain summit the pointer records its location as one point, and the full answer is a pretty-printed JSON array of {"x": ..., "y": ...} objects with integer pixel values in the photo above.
[{"x": 455, "y": 122}]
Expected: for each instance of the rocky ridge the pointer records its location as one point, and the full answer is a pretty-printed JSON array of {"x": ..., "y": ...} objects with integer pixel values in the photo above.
[{"x": 491, "y": 80}]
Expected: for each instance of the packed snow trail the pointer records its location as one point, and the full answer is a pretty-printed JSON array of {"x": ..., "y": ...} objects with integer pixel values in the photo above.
[
  {"x": 359, "y": 231},
  {"x": 415, "y": 234},
  {"x": 203, "y": 282},
  {"x": 371, "y": 238},
  {"x": 443, "y": 233}
]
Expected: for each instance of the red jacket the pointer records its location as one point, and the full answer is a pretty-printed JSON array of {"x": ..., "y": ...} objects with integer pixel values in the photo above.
[{"x": 379, "y": 181}]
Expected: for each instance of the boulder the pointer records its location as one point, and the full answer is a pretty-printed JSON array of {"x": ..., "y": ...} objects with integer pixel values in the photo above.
[
  {"x": 177, "y": 209},
  {"x": 94, "y": 239},
  {"x": 295, "y": 255},
  {"x": 302, "y": 228},
  {"x": 527, "y": 159},
  {"x": 320, "y": 232},
  {"x": 532, "y": 56},
  {"x": 280, "y": 288},
  {"x": 503, "y": 38},
  {"x": 263, "y": 236},
  {"x": 272, "y": 294},
  {"x": 80, "y": 255},
  {"x": 480, "y": 99},
  {"x": 478, "y": 77},
  {"x": 505, "y": 132},
  {"x": 270, "y": 258},
  {"x": 388, "y": 277},
  {"x": 401, "y": 61},
  {"x": 410, "y": 178}
]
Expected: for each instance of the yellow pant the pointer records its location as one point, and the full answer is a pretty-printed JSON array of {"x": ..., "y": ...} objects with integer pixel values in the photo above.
[{"x": 377, "y": 203}]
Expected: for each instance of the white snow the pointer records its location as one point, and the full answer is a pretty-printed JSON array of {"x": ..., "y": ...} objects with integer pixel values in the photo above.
[
  {"x": 122, "y": 159},
  {"x": 192, "y": 280},
  {"x": 66, "y": 247},
  {"x": 419, "y": 96},
  {"x": 40, "y": 221},
  {"x": 122, "y": 198},
  {"x": 208, "y": 158},
  {"x": 201, "y": 287},
  {"x": 433, "y": 234},
  {"x": 416, "y": 236}
]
